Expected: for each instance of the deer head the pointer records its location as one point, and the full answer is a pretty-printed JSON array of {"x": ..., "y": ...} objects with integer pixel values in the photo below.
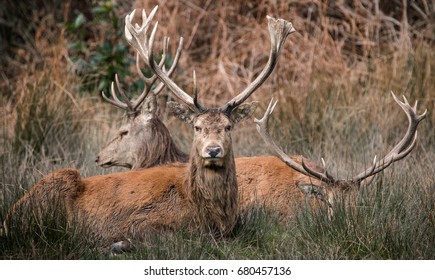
[{"x": 143, "y": 141}]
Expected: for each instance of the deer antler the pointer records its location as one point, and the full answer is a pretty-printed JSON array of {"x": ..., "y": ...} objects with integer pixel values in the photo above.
[
  {"x": 132, "y": 106},
  {"x": 401, "y": 150},
  {"x": 137, "y": 36},
  {"x": 279, "y": 29}
]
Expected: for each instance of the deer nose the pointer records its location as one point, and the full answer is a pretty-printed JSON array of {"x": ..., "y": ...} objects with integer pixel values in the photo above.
[{"x": 214, "y": 151}]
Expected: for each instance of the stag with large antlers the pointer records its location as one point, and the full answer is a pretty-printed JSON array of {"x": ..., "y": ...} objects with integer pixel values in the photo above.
[
  {"x": 204, "y": 194},
  {"x": 144, "y": 141},
  {"x": 262, "y": 180},
  {"x": 401, "y": 150},
  {"x": 212, "y": 171}
]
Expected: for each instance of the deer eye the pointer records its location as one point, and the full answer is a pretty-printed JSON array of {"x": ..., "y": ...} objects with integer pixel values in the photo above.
[
  {"x": 197, "y": 129},
  {"x": 228, "y": 128},
  {"x": 123, "y": 133}
]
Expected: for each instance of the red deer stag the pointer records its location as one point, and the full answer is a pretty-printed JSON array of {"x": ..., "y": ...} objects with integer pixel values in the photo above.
[
  {"x": 204, "y": 194},
  {"x": 144, "y": 141},
  {"x": 211, "y": 161},
  {"x": 330, "y": 183}
]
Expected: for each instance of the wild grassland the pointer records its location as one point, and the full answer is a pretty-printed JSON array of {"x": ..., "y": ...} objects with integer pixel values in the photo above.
[{"x": 332, "y": 83}]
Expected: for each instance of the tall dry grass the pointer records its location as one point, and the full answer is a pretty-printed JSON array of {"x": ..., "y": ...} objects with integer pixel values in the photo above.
[{"x": 332, "y": 82}]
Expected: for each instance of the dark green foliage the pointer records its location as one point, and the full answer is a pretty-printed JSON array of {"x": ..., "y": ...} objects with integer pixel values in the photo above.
[{"x": 98, "y": 64}]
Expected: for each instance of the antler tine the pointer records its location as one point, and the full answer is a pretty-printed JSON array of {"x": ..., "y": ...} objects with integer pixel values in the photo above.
[
  {"x": 148, "y": 83},
  {"x": 130, "y": 107},
  {"x": 152, "y": 79},
  {"x": 137, "y": 37},
  {"x": 279, "y": 29},
  {"x": 403, "y": 148},
  {"x": 116, "y": 102},
  {"x": 123, "y": 94},
  {"x": 136, "y": 104},
  {"x": 198, "y": 105},
  {"x": 173, "y": 66},
  {"x": 139, "y": 32}
]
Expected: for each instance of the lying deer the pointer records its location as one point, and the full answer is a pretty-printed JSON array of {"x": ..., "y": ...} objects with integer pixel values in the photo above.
[
  {"x": 203, "y": 194},
  {"x": 263, "y": 180}
]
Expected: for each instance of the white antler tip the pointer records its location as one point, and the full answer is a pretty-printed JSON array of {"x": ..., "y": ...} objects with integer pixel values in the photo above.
[
  {"x": 274, "y": 104},
  {"x": 424, "y": 113},
  {"x": 271, "y": 106},
  {"x": 131, "y": 15},
  {"x": 127, "y": 34},
  {"x": 323, "y": 163}
]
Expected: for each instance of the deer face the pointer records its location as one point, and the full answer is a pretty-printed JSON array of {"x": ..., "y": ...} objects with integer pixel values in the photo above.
[
  {"x": 212, "y": 131},
  {"x": 123, "y": 149},
  {"x": 212, "y": 138},
  {"x": 132, "y": 139}
]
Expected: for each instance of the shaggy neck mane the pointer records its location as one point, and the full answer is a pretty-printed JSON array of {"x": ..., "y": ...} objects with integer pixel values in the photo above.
[
  {"x": 161, "y": 150},
  {"x": 214, "y": 195}
]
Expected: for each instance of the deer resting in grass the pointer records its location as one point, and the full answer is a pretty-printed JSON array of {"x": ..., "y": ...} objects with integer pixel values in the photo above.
[
  {"x": 263, "y": 180},
  {"x": 143, "y": 141},
  {"x": 203, "y": 194},
  {"x": 266, "y": 180}
]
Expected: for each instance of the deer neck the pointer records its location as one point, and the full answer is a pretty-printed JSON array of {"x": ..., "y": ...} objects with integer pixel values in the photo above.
[
  {"x": 213, "y": 193},
  {"x": 161, "y": 150}
]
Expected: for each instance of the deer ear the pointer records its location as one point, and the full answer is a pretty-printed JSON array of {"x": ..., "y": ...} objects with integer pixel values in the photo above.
[
  {"x": 181, "y": 112},
  {"x": 312, "y": 190},
  {"x": 150, "y": 107},
  {"x": 243, "y": 111}
]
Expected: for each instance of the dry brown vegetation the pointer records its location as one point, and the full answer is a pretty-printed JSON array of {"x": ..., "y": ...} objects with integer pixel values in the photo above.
[
  {"x": 334, "y": 75},
  {"x": 332, "y": 82}
]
